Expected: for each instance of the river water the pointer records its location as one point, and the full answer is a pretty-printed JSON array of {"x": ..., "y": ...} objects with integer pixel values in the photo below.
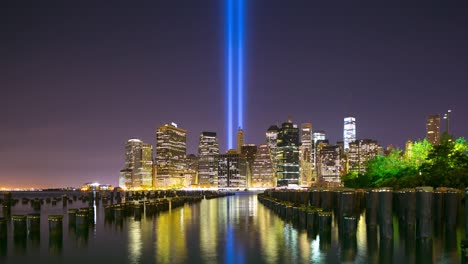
[{"x": 233, "y": 229}]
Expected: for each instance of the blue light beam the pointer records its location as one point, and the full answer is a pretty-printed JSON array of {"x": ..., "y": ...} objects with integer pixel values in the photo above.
[
  {"x": 229, "y": 84},
  {"x": 240, "y": 64},
  {"x": 235, "y": 67}
]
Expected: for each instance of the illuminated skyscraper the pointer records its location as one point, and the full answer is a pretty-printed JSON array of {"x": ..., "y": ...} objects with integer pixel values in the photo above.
[
  {"x": 208, "y": 151},
  {"x": 287, "y": 155},
  {"x": 433, "y": 129},
  {"x": 360, "y": 152},
  {"x": 232, "y": 170},
  {"x": 170, "y": 155},
  {"x": 249, "y": 151},
  {"x": 306, "y": 155},
  {"x": 262, "y": 169},
  {"x": 306, "y": 142},
  {"x": 316, "y": 136},
  {"x": 272, "y": 140},
  {"x": 329, "y": 164},
  {"x": 137, "y": 172},
  {"x": 349, "y": 131},
  {"x": 240, "y": 140}
]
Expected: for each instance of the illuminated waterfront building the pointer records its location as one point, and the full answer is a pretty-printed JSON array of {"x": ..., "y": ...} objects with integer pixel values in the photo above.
[
  {"x": 249, "y": 151},
  {"x": 240, "y": 139},
  {"x": 360, "y": 152},
  {"x": 170, "y": 156},
  {"x": 287, "y": 155},
  {"x": 272, "y": 141},
  {"x": 433, "y": 129},
  {"x": 349, "y": 131},
  {"x": 232, "y": 170},
  {"x": 138, "y": 168},
  {"x": 262, "y": 169},
  {"x": 208, "y": 151},
  {"x": 329, "y": 163}
]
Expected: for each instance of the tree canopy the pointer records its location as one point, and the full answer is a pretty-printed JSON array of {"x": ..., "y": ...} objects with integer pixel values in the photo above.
[{"x": 441, "y": 165}]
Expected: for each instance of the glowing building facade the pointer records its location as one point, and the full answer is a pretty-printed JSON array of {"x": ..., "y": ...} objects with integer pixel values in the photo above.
[
  {"x": 316, "y": 136},
  {"x": 306, "y": 142},
  {"x": 208, "y": 151},
  {"x": 306, "y": 155},
  {"x": 360, "y": 151},
  {"x": 433, "y": 129},
  {"x": 232, "y": 170},
  {"x": 171, "y": 156},
  {"x": 349, "y": 131},
  {"x": 138, "y": 169},
  {"x": 287, "y": 155},
  {"x": 329, "y": 164},
  {"x": 262, "y": 169}
]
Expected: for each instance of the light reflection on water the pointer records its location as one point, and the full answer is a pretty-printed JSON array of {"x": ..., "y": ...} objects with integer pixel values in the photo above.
[{"x": 234, "y": 229}]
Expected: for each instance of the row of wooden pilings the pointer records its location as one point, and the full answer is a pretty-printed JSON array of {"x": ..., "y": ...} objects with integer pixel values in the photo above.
[
  {"x": 106, "y": 197},
  {"x": 417, "y": 209},
  {"x": 81, "y": 219}
]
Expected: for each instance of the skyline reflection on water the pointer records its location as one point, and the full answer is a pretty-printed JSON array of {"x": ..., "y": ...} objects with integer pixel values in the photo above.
[{"x": 234, "y": 229}]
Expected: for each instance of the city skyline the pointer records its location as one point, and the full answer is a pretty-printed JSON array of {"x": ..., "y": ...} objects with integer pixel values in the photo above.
[{"x": 77, "y": 89}]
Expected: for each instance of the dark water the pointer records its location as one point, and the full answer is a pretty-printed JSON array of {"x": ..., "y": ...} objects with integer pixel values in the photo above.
[{"x": 234, "y": 229}]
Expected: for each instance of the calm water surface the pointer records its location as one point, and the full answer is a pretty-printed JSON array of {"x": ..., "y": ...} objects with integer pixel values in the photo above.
[{"x": 234, "y": 229}]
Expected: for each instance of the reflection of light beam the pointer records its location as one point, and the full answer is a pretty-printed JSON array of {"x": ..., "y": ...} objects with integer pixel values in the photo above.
[{"x": 229, "y": 74}]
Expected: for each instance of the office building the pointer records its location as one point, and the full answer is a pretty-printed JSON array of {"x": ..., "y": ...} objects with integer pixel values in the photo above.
[
  {"x": 306, "y": 142},
  {"x": 262, "y": 169},
  {"x": 232, "y": 170},
  {"x": 240, "y": 140},
  {"x": 138, "y": 169},
  {"x": 171, "y": 156},
  {"x": 349, "y": 131},
  {"x": 360, "y": 152},
  {"x": 208, "y": 151},
  {"x": 329, "y": 164},
  {"x": 287, "y": 155},
  {"x": 316, "y": 136},
  {"x": 433, "y": 129},
  {"x": 249, "y": 151}
]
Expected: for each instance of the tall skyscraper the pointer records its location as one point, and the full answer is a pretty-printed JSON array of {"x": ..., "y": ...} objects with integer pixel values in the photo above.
[
  {"x": 316, "y": 136},
  {"x": 208, "y": 151},
  {"x": 306, "y": 155},
  {"x": 232, "y": 170},
  {"x": 349, "y": 131},
  {"x": 170, "y": 155},
  {"x": 262, "y": 169},
  {"x": 433, "y": 129},
  {"x": 306, "y": 142},
  {"x": 249, "y": 151},
  {"x": 287, "y": 154},
  {"x": 240, "y": 140},
  {"x": 272, "y": 141},
  {"x": 138, "y": 168}
]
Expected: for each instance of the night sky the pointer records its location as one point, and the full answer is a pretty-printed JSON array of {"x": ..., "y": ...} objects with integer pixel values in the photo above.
[{"x": 80, "y": 78}]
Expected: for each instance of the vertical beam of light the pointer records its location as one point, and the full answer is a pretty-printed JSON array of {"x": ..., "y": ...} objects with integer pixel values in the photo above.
[
  {"x": 240, "y": 63},
  {"x": 229, "y": 84}
]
